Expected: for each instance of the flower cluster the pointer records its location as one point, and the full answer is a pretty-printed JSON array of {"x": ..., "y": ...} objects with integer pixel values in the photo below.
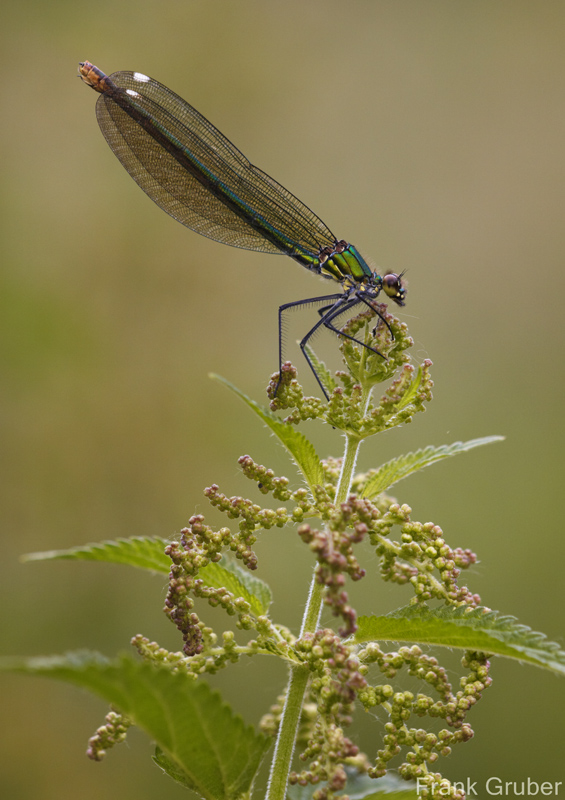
[
  {"x": 338, "y": 667},
  {"x": 421, "y": 550},
  {"x": 349, "y": 408},
  {"x": 333, "y": 547},
  {"x": 351, "y": 510},
  {"x": 426, "y": 746},
  {"x": 199, "y": 545},
  {"x": 336, "y": 680},
  {"x": 113, "y": 732}
]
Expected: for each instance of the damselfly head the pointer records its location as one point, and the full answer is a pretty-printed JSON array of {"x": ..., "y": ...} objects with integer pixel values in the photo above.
[{"x": 393, "y": 287}]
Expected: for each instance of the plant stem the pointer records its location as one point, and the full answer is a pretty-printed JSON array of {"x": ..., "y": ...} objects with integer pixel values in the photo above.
[
  {"x": 299, "y": 674},
  {"x": 352, "y": 444},
  {"x": 286, "y": 737}
]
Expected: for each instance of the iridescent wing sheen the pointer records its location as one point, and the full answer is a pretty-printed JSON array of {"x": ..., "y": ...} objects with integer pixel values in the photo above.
[{"x": 211, "y": 187}]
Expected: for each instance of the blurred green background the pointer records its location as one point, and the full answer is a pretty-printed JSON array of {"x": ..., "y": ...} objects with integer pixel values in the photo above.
[{"x": 429, "y": 134}]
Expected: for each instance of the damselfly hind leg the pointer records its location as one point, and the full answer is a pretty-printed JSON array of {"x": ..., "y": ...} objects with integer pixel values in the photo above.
[
  {"x": 328, "y": 314},
  {"x": 337, "y": 297}
]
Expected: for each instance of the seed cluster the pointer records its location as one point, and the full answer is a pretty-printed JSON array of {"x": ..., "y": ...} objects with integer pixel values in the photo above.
[
  {"x": 336, "y": 680},
  {"x": 333, "y": 547},
  {"x": 108, "y": 735},
  {"x": 421, "y": 552},
  {"x": 346, "y": 409},
  {"x": 338, "y": 667},
  {"x": 450, "y": 706},
  {"x": 410, "y": 553}
]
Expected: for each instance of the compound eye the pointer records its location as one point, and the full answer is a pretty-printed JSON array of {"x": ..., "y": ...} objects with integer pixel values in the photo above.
[
  {"x": 393, "y": 288},
  {"x": 391, "y": 284}
]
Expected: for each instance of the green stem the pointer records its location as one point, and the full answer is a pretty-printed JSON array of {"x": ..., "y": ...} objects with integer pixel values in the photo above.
[
  {"x": 299, "y": 675},
  {"x": 286, "y": 738},
  {"x": 298, "y": 681},
  {"x": 352, "y": 444},
  {"x": 343, "y": 487}
]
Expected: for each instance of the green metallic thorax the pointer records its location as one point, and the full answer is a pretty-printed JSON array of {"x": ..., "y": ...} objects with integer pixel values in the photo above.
[
  {"x": 349, "y": 263},
  {"x": 339, "y": 263}
]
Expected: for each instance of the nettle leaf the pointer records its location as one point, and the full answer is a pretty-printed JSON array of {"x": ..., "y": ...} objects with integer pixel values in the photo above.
[
  {"x": 240, "y": 582},
  {"x": 172, "y": 769},
  {"x": 361, "y": 787},
  {"x": 321, "y": 369},
  {"x": 146, "y": 553},
  {"x": 464, "y": 628},
  {"x": 379, "y": 480},
  {"x": 412, "y": 393},
  {"x": 201, "y": 741},
  {"x": 300, "y": 448}
]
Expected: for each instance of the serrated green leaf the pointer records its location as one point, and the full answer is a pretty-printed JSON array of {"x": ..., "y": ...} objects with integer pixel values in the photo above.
[
  {"x": 216, "y": 752},
  {"x": 298, "y": 446},
  {"x": 142, "y": 552},
  {"x": 240, "y": 582},
  {"x": 146, "y": 553},
  {"x": 174, "y": 771},
  {"x": 321, "y": 370},
  {"x": 411, "y": 394},
  {"x": 464, "y": 628},
  {"x": 376, "y": 481}
]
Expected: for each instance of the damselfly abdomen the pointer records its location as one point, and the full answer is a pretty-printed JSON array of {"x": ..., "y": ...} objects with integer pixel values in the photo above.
[{"x": 195, "y": 174}]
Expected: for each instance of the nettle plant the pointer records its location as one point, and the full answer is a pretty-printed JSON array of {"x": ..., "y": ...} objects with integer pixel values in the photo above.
[{"x": 333, "y": 672}]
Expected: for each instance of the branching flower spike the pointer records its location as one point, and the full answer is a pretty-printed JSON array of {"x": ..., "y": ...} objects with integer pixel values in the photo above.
[{"x": 353, "y": 529}]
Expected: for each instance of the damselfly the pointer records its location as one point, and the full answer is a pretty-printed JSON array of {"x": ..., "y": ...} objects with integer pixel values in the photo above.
[{"x": 201, "y": 179}]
